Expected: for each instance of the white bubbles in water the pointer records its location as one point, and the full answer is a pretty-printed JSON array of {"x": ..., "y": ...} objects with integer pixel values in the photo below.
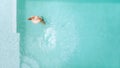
[
  {"x": 50, "y": 35},
  {"x": 49, "y": 39}
]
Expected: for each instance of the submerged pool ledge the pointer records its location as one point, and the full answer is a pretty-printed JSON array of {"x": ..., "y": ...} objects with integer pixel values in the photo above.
[{"x": 81, "y": 1}]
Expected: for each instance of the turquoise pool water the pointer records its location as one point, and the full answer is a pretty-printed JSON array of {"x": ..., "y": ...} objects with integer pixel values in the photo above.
[{"x": 77, "y": 35}]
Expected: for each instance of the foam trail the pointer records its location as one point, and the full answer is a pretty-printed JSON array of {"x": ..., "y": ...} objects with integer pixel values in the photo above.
[
  {"x": 50, "y": 36},
  {"x": 48, "y": 41}
]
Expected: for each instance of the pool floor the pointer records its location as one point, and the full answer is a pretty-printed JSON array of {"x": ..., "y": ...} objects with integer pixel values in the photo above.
[{"x": 76, "y": 35}]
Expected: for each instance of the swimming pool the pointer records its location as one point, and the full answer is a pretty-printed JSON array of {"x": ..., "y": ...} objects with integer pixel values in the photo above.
[{"x": 76, "y": 35}]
